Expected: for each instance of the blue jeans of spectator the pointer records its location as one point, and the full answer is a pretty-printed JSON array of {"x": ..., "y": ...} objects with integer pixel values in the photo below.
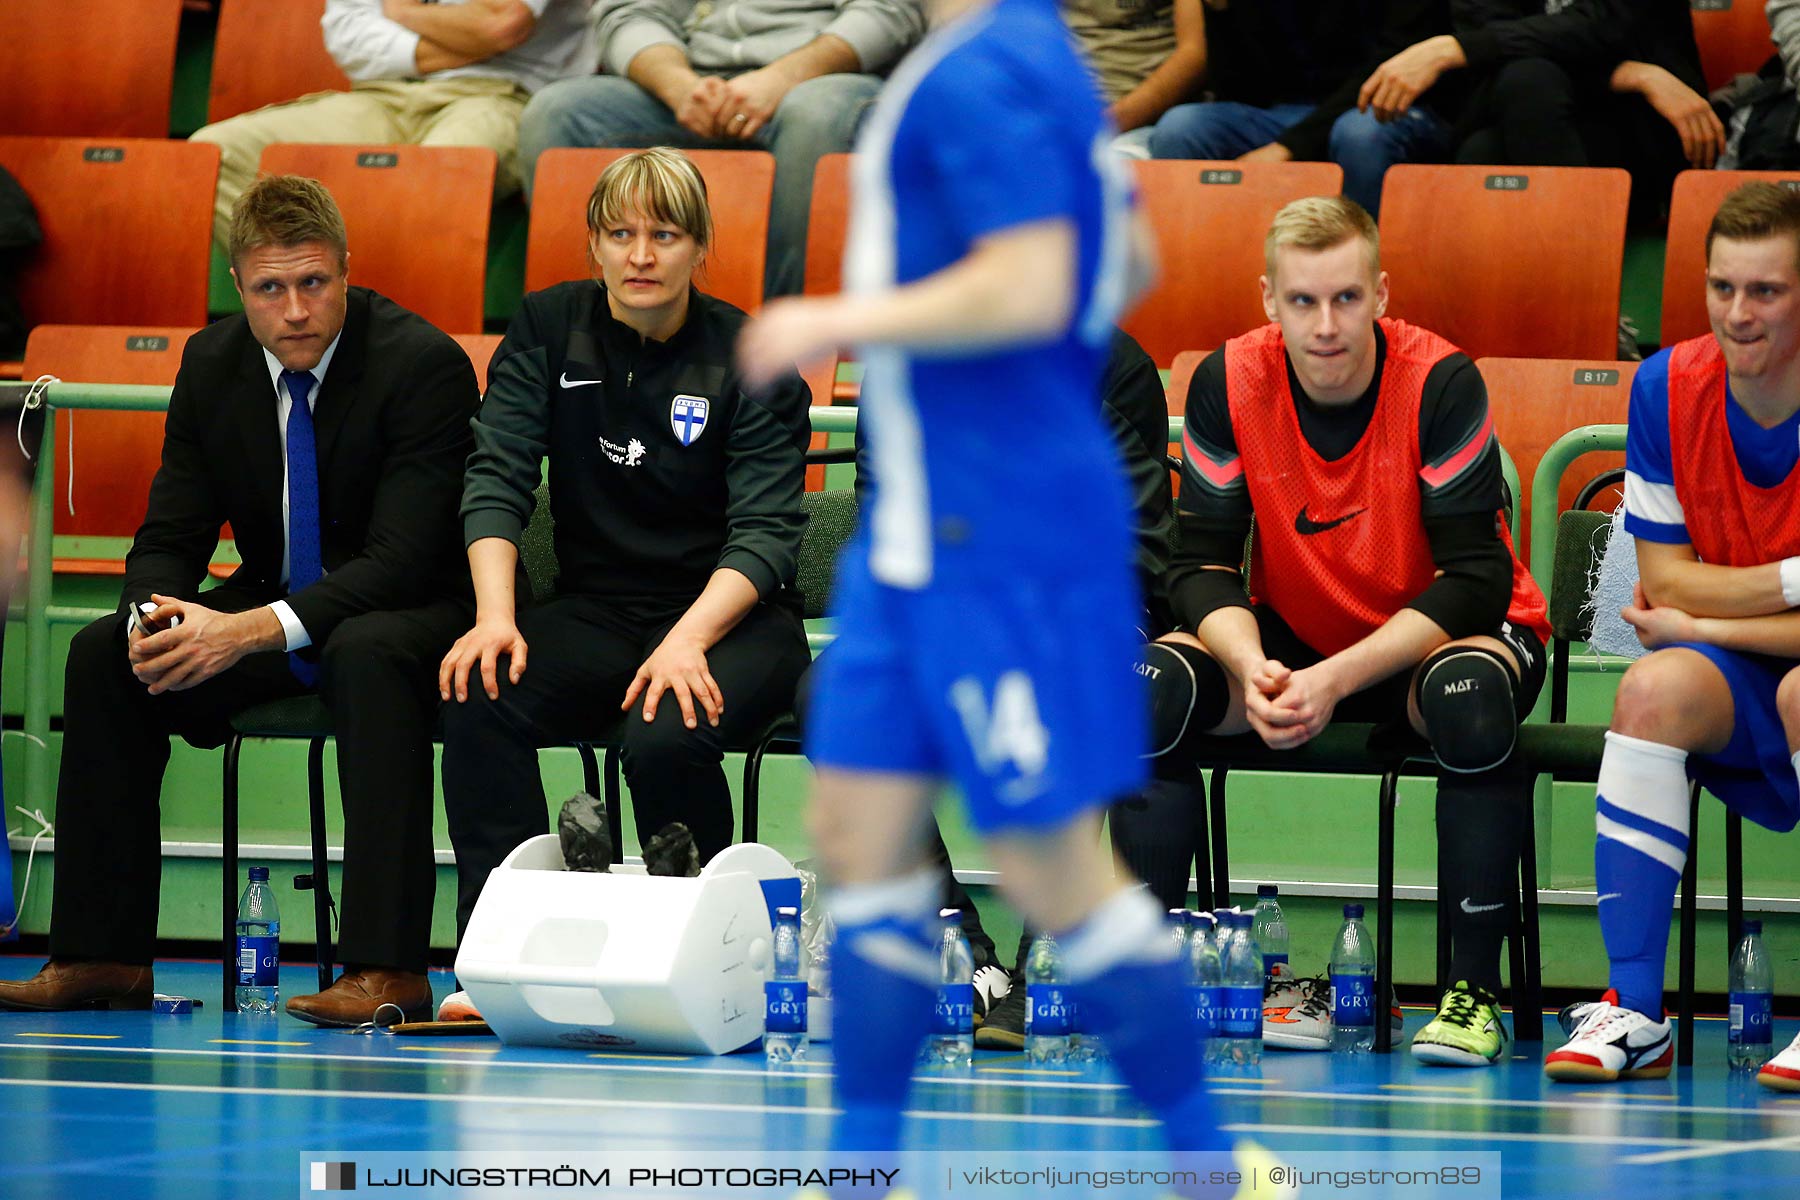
[
  {"x": 1364, "y": 147},
  {"x": 818, "y": 117}
]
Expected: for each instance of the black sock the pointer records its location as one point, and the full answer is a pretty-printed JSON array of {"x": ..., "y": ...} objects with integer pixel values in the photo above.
[
  {"x": 1156, "y": 833},
  {"x": 1481, "y": 826}
]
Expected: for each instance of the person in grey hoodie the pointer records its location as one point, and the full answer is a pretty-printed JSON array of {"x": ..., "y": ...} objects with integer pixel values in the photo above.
[{"x": 793, "y": 77}]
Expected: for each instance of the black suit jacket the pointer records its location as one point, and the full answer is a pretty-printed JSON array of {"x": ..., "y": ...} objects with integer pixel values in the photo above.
[{"x": 392, "y": 419}]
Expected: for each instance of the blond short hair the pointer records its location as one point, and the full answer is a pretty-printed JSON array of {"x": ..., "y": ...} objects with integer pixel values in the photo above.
[
  {"x": 1754, "y": 212},
  {"x": 285, "y": 210},
  {"x": 1321, "y": 223},
  {"x": 662, "y": 183}
]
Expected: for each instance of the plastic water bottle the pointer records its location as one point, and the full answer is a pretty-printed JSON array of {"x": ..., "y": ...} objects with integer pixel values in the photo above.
[
  {"x": 952, "y": 1040},
  {"x": 784, "y": 1009},
  {"x": 1046, "y": 1003},
  {"x": 1240, "y": 1010},
  {"x": 1752, "y": 987},
  {"x": 1205, "y": 974},
  {"x": 1353, "y": 985},
  {"x": 258, "y": 946},
  {"x": 1269, "y": 928}
]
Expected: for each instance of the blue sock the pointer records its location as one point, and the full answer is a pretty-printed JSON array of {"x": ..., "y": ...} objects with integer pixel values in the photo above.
[
  {"x": 1640, "y": 848},
  {"x": 884, "y": 972},
  {"x": 1133, "y": 992}
]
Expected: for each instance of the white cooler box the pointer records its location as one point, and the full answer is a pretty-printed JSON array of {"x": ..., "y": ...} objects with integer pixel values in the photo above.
[{"x": 628, "y": 960}]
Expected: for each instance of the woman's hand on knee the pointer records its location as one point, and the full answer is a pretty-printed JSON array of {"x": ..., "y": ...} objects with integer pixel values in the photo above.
[
  {"x": 678, "y": 665},
  {"x": 483, "y": 645}
]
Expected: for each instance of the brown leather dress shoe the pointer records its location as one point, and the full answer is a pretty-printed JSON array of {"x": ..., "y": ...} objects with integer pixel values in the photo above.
[
  {"x": 360, "y": 995},
  {"x": 65, "y": 984}
]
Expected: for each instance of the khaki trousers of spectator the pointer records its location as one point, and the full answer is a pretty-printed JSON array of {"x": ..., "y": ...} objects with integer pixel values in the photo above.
[{"x": 422, "y": 112}]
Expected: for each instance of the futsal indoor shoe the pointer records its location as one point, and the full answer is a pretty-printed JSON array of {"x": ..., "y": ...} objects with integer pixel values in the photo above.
[
  {"x": 1261, "y": 1171},
  {"x": 1004, "y": 1026},
  {"x": 992, "y": 983},
  {"x": 458, "y": 1007},
  {"x": 1612, "y": 1043},
  {"x": 1467, "y": 1031},
  {"x": 1783, "y": 1071},
  {"x": 1296, "y": 1012}
]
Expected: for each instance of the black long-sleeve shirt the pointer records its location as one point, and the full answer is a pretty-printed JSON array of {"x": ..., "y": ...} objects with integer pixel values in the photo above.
[
  {"x": 1403, "y": 23},
  {"x": 1589, "y": 37},
  {"x": 1268, "y": 52},
  {"x": 662, "y": 468},
  {"x": 1471, "y": 594}
]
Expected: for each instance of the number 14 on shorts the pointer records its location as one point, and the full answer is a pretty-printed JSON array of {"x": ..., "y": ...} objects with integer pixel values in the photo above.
[{"x": 1004, "y": 729}]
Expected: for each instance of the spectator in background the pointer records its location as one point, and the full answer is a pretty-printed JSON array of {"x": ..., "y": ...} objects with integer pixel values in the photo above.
[
  {"x": 1147, "y": 56},
  {"x": 1568, "y": 83},
  {"x": 454, "y": 73},
  {"x": 793, "y": 77},
  {"x": 1364, "y": 139},
  {"x": 19, "y": 238},
  {"x": 1278, "y": 71}
]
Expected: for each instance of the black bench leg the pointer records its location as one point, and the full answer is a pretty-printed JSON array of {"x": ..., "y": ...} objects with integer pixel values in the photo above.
[
  {"x": 1203, "y": 875},
  {"x": 615, "y": 803},
  {"x": 321, "y": 869},
  {"x": 1528, "y": 997},
  {"x": 1221, "y": 849},
  {"x": 753, "y": 762},
  {"x": 1734, "y": 884},
  {"x": 1384, "y": 914},
  {"x": 228, "y": 859},
  {"x": 1690, "y": 886}
]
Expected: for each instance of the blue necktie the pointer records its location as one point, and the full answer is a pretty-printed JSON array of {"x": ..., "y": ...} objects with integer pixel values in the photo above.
[{"x": 304, "y": 565}]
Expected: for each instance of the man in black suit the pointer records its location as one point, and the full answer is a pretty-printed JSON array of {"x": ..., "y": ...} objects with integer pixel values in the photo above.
[{"x": 329, "y": 426}]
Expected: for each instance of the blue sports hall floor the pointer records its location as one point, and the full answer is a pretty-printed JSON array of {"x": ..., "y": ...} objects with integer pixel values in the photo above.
[{"x": 222, "y": 1105}]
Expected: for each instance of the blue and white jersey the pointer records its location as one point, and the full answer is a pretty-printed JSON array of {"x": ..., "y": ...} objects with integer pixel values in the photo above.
[
  {"x": 997, "y": 460},
  {"x": 1653, "y": 511}
]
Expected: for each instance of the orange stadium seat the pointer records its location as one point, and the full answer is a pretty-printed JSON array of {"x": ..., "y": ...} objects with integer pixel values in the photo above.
[
  {"x": 480, "y": 348},
  {"x": 1696, "y": 198},
  {"x": 828, "y": 225},
  {"x": 266, "y": 52},
  {"x": 738, "y": 185},
  {"x": 88, "y": 68},
  {"x": 390, "y": 193},
  {"x": 115, "y": 453},
  {"x": 1181, "y": 376},
  {"x": 1209, "y": 219},
  {"x": 127, "y": 229},
  {"x": 1733, "y": 36},
  {"x": 1534, "y": 401},
  {"x": 1517, "y": 261}
]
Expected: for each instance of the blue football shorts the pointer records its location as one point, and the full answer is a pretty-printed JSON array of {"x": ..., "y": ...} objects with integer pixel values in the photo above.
[{"x": 1020, "y": 690}]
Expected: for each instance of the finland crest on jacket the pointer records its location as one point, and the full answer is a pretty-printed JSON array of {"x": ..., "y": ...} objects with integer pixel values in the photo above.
[{"x": 687, "y": 417}]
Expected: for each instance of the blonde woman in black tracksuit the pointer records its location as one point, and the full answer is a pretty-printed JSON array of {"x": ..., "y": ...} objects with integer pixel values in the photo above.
[{"x": 678, "y": 522}]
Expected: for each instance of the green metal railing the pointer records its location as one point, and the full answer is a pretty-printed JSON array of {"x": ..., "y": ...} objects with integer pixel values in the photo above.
[
  {"x": 40, "y": 614},
  {"x": 1546, "y": 482}
]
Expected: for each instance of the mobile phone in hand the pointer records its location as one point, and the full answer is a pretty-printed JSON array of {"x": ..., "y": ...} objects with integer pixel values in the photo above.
[{"x": 143, "y": 619}]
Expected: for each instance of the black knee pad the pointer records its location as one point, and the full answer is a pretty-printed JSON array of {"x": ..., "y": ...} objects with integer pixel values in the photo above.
[
  {"x": 1465, "y": 694},
  {"x": 1188, "y": 693}
]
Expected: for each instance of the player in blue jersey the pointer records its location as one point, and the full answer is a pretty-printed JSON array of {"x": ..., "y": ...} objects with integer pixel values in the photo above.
[
  {"x": 1712, "y": 497},
  {"x": 985, "y": 611}
]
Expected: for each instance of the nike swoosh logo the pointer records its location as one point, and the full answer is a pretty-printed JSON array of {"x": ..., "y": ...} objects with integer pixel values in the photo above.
[
  {"x": 1610, "y": 896},
  {"x": 1306, "y": 526},
  {"x": 575, "y": 383},
  {"x": 1481, "y": 908}
]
